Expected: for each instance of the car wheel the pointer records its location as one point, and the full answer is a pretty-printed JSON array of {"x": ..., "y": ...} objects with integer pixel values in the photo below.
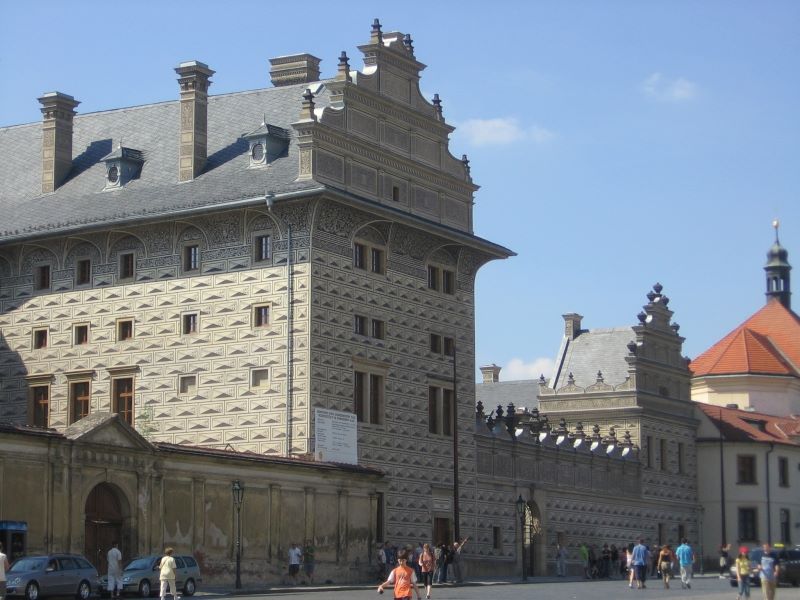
[
  {"x": 144, "y": 588},
  {"x": 32, "y": 591},
  {"x": 84, "y": 591},
  {"x": 189, "y": 587}
]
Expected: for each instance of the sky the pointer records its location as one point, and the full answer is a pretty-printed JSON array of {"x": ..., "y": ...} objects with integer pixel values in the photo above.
[{"x": 617, "y": 143}]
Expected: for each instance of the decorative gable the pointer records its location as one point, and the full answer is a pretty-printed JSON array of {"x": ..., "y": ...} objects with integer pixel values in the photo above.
[{"x": 106, "y": 429}]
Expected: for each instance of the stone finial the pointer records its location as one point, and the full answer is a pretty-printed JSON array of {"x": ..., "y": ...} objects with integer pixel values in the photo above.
[
  {"x": 570, "y": 379},
  {"x": 657, "y": 288},
  {"x": 58, "y": 111},
  {"x": 596, "y": 432},
  {"x": 343, "y": 70},
  {"x": 627, "y": 438},
  {"x": 465, "y": 162},
  {"x": 409, "y": 45},
  {"x": 632, "y": 347},
  {"x": 600, "y": 377},
  {"x": 307, "y": 110},
  {"x": 642, "y": 316},
  {"x": 489, "y": 423},
  {"x": 542, "y": 380},
  {"x": 675, "y": 327},
  {"x": 376, "y": 35},
  {"x": 437, "y": 107},
  {"x": 479, "y": 409},
  {"x": 499, "y": 411}
]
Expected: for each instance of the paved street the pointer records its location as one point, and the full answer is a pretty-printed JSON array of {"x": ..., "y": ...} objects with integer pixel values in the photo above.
[{"x": 708, "y": 588}]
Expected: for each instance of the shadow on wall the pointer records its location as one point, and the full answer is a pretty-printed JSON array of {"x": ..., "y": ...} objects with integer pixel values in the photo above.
[{"x": 14, "y": 386}]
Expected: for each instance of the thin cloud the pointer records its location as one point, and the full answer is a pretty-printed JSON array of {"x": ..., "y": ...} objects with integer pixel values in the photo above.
[
  {"x": 502, "y": 131},
  {"x": 664, "y": 89},
  {"x": 517, "y": 368}
]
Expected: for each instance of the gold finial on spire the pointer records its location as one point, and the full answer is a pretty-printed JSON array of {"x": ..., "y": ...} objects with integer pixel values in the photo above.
[{"x": 776, "y": 225}]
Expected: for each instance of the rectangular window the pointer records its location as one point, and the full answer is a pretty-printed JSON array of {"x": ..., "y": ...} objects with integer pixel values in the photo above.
[
  {"x": 359, "y": 256},
  {"x": 649, "y": 450},
  {"x": 380, "y": 517},
  {"x": 262, "y": 248},
  {"x": 80, "y": 335},
  {"x": 39, "y": 339},
  {"x": 433, "y": 409},
  {"x": 126, "y": 265},
  {"x": 746, "y": 470},
  {"x": 440, "y": 410},
  {"x": 449, "y": 346},
  {"x": 376, "y": 262},
  {"x": 662, "y": 452},
  {"x": 189, "y": 323},
  {"x": 378, "y": 329},
  {"x": 187, "y": 385},
  {"x": 785, "y": 527},
  {"x": 447, "y": 412},
  {"x": 261, "y": 315},
  {"x": 360, "y": 324},
  {"x": 79, "y": 400},
  {"x": 433, "y": 278},
  {"x": 783, "y": 471},
  {"x": 40, "y": 395},
  {"x": 191, "y": 257},
  {"x": 497, "y": 538},
  {"x": 368, "y": 397},
  {"x": 124, "y": 330},
  {"x": 448, "y": 282},
  {"x": 83, "y": 271},
  {"x": 122, "y": 399},
  {"x": 681, "y": 458},
  {"x": 681, "y": 531},
  {"x": 748, "y": 532},
  {"x": 41, "y": 277},
  {"x": 396, "y": 193},
  {"x": 436, "y": 343},
  {"x": 259, "y": 378}
]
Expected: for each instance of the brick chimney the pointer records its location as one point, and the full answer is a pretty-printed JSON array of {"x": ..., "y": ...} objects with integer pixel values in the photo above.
[
  {"x": 491, "y": 373},
  {"x": 58, "y": 111},
  {"x": 572, "y": 325},
  {"x": 194, "y": 82},
  {"x": 295, "y": 68}
]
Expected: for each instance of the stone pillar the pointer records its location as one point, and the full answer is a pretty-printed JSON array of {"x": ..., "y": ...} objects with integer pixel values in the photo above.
[
  {"x": 309, "y": 514},
  {"x": 342, "y": 526},
  {"x": 273, "y": 550},
  {"x": 58, "y": 111},
  {"x": 194, "y": 82}
]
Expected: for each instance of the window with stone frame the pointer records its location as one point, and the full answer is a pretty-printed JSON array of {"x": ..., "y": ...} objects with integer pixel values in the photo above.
[
  {"x": 191, "y": 258},
  {"x": 745, "y": 469},
  {"x": 80, "y": 334},
  {"x": 441, "y": 273},
  {"x": 124, "y": 329},
  {"x": 40, "y": 338},
  {"x": 40, "y": 405},
  {"x": 83, "y": 271},
  {"x": 368, "y": 396},
  {"x": 80, "y": 400},
  {"x": 262, "y": 247},
  {"x": 41, "y": 277},
  {"x": 369, "y": 251},
  {"x": 187, "y": 385},
  {"x": 127, "y": 265},
  {"x": 378, "y": 329},
  {"x": 359, "y": 324},
  {"x": 748, "y": 525},
  {"x": 122, "y": 398},
  {"x": 261, "y": 315},
  {"x": 662, "y": 454},
  {"x": 259, "y": 378},
  {"x": 440, "y": 410},
  {"x": 783, "y": 471},
  {"x": 190, "y": 323}
]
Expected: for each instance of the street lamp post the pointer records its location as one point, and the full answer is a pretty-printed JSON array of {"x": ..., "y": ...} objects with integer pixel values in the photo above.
[
  {"x": 521, "y": 510},
  {"x": 237, "y": 488}
]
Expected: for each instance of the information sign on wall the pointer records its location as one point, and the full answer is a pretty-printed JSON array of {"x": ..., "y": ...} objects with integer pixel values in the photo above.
[{"x": 335, "y": 434}]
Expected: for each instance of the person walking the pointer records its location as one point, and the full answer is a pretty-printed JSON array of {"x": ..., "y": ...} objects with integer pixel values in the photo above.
[
  {"x": 561, "y": 561},
  {"x": 4, "y": 566},
  {"x": 639, "y": 561},
  {"x": 724, "y": 552},
  {"x": 308, "y": 561},
  {"x": 665, "y": 560},
  {"x": 445, "y": 559},
  {"x": 167, "y": 575},
  {"x": 583, "y": 550},
  {"x": 743, "y": 575},
  {"x": 114, "y": 570},
  {"x": 427, "y": 564},
  {"x": 685, "y": 556},
  {"x": 295, "y": 558},
  {"x": 457, "y": 548},
  {"x": 768, "y": 571},
  {"x": 382, "y": 570},
  {"x": 402, "y": 578}
]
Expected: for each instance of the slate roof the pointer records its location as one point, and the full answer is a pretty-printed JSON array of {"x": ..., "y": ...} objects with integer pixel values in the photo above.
[
  {"x": 744, "y": 426},
  {"x": 154, "y": 129},
  {"x": 522, "y": 393},
  {"x": 592, "y": 351},
  {"x": 767, "y": 343}
]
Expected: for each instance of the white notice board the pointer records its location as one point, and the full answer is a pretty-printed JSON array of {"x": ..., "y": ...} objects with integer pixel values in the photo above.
[{"x": 336, "y": 438}]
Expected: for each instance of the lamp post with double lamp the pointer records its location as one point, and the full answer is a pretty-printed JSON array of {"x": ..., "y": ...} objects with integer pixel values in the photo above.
[
  {"x": 522, "y": 508},
  {"x": 237, "y": 488}
]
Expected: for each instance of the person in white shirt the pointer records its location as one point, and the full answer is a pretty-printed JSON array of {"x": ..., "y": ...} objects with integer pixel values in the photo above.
[
  {"x": 4, "y": 566},
  {"x": 167, "y": 574},
  {"x": 114, "y": 570},
  {"x": 295, "y": 557}
]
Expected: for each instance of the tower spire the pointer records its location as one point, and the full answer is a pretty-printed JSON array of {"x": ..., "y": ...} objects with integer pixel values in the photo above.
[{"x": 777, "y": 269}]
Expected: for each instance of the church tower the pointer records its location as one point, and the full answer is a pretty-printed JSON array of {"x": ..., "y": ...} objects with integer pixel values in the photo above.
[{"x": 777, "y": 269}]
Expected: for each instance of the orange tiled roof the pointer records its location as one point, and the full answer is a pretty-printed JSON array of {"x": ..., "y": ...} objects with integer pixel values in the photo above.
[
  {"x": 745, "y": 426},
  {"x": 766, "y": 343}
]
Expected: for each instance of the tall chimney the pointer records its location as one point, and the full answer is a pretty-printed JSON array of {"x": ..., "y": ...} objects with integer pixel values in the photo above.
[
  {"x": 295, "y": 68},
  {"x": 58, "y": 111},
  {"x": 572, "y": 325},
  {"x": 194, "y": 82},
  {"x": 491, "y": 373}
]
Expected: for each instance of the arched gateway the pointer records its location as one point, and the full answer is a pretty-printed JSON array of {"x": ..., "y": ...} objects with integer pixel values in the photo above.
[{"x": 105, "y": 516}]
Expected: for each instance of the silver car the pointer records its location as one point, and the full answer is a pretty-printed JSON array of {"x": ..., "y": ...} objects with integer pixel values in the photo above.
[
  {"x": 140, "y": 576},
  {"x": 34, "y": 577}
]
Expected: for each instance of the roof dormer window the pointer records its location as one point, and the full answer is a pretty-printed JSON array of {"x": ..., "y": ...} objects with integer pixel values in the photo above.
[
  {"x": 122, "y": 166},
  {"x": 266, "y": 144}
]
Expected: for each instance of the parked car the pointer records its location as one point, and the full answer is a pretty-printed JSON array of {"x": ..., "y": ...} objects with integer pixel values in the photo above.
[
  {"x": 140, "y": 576},
  {"x": 788, "y": 561},
  {"x": 34, "y": 577}
]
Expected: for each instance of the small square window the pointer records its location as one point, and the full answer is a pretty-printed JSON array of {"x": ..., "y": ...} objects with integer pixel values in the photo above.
[
  {"x": 191, "y": 257},
  {"x": 261, "y": 315},
  {"x": 39, "y": 339},
  {"x": 448, "y": 282},
  {"x": 262, "y": 248},
  {"x": 436, "y": 343},
  {"x": 376, "y": 264},
  {"x": 449, "y": 346},
  {"x": 259, "y": 378},
  {"x": 378, "y": 329},
  {"x": 187, "y": 385},
  {"x": 124, "y": 330},
  {"x": 190, "y": 323},
  {"x": 41, "y": 277},
  {"x": 83, "y": 271},
  {"x": 126, "y": 265},
  {"x": 433, "y": 278},
  {"x": 360, "y": 324},
  {"x": 359, "y": 256},
  {"x": 81, "y": 335}
]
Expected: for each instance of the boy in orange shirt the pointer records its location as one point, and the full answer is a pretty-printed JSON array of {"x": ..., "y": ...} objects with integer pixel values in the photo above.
[{"x": 403, "y": 578}]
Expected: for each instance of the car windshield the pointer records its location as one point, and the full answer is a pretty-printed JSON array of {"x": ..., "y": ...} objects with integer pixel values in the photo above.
[
  {"x": 137, "y": 564},
  {"x": 28, "y": 564}
]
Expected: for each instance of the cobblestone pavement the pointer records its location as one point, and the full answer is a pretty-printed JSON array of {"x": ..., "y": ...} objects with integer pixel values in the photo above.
[{"x": 708, "y": 588}]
